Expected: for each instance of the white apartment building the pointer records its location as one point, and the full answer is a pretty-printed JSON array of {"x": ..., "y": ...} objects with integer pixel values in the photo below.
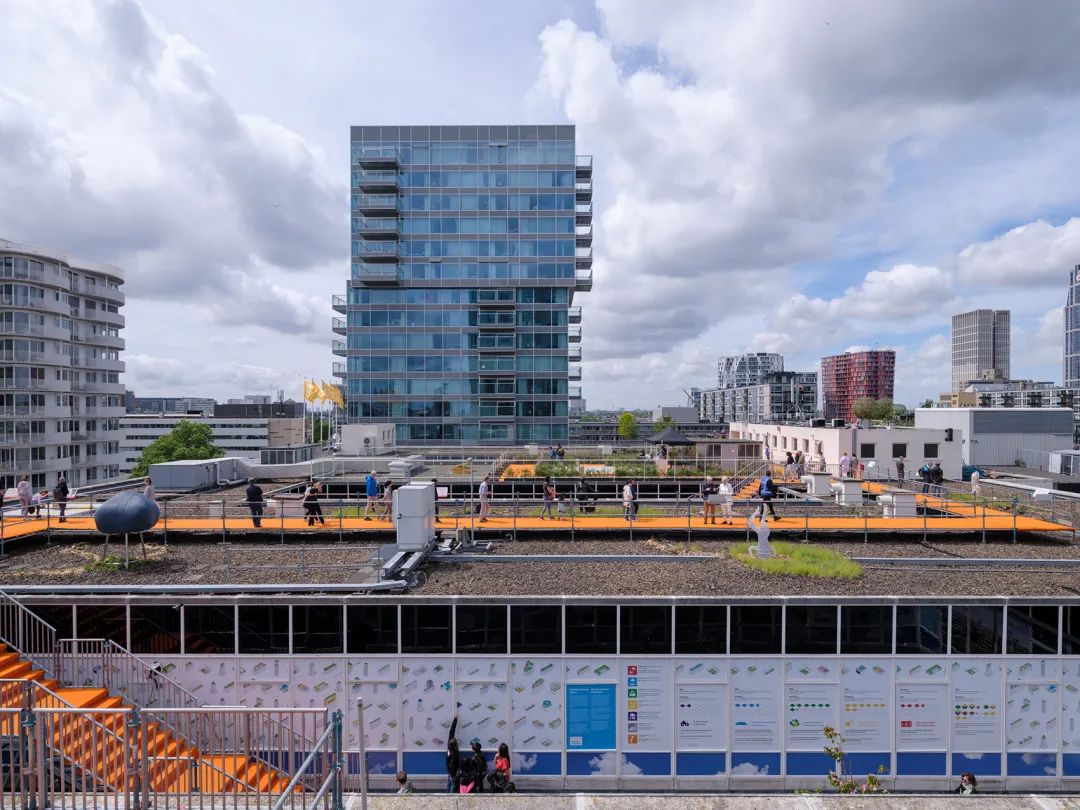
[
  {"x": 241, "y": 436},
  {"x": 734, "y": 371},
  {"x": 876, "y": 448},
  {"x": 780, "y": 396}
]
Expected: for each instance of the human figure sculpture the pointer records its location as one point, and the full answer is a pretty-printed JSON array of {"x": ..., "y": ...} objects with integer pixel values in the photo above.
[{"x": 761, "y": 528}]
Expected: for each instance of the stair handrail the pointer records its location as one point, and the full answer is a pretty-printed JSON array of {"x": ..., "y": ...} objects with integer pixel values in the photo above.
[
  {"x": 112, "y": 658},
  {"x": 27, "y": 633}
]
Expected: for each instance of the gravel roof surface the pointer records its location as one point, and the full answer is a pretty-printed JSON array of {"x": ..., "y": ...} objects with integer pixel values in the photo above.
[
  {"x": 726, "y": 577},
  {"x": 184, "y": 564}
]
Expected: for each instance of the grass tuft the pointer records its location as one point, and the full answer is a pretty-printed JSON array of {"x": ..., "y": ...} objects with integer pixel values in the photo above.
[{"x": 802, "y": 561}]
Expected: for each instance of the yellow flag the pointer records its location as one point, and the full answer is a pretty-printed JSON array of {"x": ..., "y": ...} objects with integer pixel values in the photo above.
[
  {"x": 320, "y": 394},
  {"x": 311, "y": 391},
  {"x": 333, "y": 393}
]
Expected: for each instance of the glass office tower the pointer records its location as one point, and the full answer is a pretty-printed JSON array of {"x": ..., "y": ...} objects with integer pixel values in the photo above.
[{"x": 468, "y": 245}]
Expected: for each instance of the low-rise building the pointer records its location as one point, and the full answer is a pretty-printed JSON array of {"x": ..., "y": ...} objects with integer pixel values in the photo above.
[
  {"x": 876, "y": 448},
  {"x": 607, "y": 431},
  {"x": 244, "y": 436},
  {"x": 1002, "y": 436}
]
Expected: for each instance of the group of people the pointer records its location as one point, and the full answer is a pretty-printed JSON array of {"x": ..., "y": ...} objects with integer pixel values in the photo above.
[
  {"x": 556, "y": 453},
  {"x": 384, "y": 504},
  {"x": 715, "y": 494},
  {"x": 794, "y": 466},
  {"x": 467, "y": 773},
  {"x": 30, "y": 502},
  {"x": 932, "y": 477},
  {"x": 850, "y": 466}
]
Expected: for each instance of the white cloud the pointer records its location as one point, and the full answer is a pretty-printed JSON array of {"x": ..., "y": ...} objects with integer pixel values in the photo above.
[
  {"x": 1037, "y": 253},
  {"x": 749, "y": 769}
]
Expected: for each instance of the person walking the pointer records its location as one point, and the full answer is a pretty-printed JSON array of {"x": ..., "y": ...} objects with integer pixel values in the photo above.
[
  {"x": 767, "y": 491},
  {"x": 312, "y": 508},
  {"x": 724, "y": 493},
  {"x": 386, "y": 502},
  {"x": 634, "y": 493},
  {"x": 25, "y": 493},
  {"x": 628, "y": 501},
  {"x": 845, "y": 466},
  {"x": 900, "y": 470},
  {"x": 708, "y": 494},
  {"x": 800, "y": 464},
  {"x": 253, "y": 496},
  {"x": 549, "y": 499},
  {"x": 976, "y": 479},
  {"x": 924, "y": 476},
  {"x": 149, "y": 490},
  {"x": 856, "y": 470},
  {"x": 453, "y": 760},
  {"x": 60, "y": 497},
  {"x": 499, "y": 778},
  {"x": 937, "y": 478},
  {"x": 371, "y": 490},
  {"x": 485, "y": 498}
]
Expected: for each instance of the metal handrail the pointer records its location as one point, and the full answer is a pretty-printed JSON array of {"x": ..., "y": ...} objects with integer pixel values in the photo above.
[{"x": 33, "y": 636}]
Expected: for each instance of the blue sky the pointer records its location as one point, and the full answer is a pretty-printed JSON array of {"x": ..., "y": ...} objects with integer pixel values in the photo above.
[{"x": 784, "y": 176}]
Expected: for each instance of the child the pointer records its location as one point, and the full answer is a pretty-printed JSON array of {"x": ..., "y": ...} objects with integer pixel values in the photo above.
[
  {"x": 562, "y": 507},
  {"x": 404, "y": 785}
]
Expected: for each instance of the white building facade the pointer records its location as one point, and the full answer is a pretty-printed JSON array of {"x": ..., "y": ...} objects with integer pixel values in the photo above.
[
  {"x": 780, "y": 396},
  {"x": 876, "y": 448},
  {"x": 1002, "y": 436},
  {"x": 733, "y": 371}
]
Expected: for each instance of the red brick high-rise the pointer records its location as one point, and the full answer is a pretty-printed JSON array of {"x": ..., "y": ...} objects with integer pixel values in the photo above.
[{"x": 854, "y": 375}]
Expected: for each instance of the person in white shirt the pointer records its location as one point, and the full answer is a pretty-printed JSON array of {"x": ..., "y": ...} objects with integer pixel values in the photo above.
[
  {"x": 149, "y": 490},
  {"x": 485, "y": 498},
  {"x": 628, "y": 500},
  {"x": 724, "y": 493},
  {"x": 845, "y": 466},
  {"x": 25, "y": 493},
  {"x": 975, "y": 479}
]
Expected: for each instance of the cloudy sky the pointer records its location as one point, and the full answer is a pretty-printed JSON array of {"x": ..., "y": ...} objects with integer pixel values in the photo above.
[{"x": 785, "y": 176}]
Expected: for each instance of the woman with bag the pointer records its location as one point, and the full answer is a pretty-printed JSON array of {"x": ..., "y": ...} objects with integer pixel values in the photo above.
[{"x": 499, "y": 778}]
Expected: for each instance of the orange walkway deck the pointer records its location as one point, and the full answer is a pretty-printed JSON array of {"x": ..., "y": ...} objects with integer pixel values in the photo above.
[{"x": 994, "y": 521}]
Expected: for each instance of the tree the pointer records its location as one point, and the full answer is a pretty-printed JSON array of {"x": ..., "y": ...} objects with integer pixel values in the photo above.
[
  {"x": 927, "y": 403},
  {"x": 885, "y": 408},
  {"x": 628, "y": 428},
  {"x": 664, "y": 422},
  {"x": 186, "y": 441},
  {"x": 865, "y": 408}
]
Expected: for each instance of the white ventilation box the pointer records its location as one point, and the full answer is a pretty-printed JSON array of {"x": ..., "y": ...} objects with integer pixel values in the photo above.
[{"x": 414, "y": 515}]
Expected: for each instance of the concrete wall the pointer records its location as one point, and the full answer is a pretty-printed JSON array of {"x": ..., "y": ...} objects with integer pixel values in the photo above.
[{"x": 1050, "y": 429}]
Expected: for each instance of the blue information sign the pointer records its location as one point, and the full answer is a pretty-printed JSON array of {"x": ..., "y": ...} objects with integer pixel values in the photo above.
[{"x": 590, "y": 717}]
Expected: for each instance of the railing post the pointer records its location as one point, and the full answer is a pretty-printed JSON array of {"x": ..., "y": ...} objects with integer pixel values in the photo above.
[
  {"x": 1015, "y": 507},
  {"x": 28, "y": 777},
  {"x": 337, "y": 802},
  {"x": 340, "y": 519},
  {"x": 134, "y": 764},
  {"x": 363, "y": 754},
  {"x": 223, "y": 530},
  {"x": 865, "y": 509},
  {"x": 984, "y": 521},
  {"x": 39, "y": 764},
  {"x": 281, "y": 517},
  {"x": 806, "y": 526},
  {"x": 165, "y": 521},
  {"x": 517, "y": 505}
]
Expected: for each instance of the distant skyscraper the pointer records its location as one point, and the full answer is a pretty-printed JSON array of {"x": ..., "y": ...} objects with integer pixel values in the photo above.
[
  {"x": 1071, "y": 376},
  {"x": 980, "y": 346},
  {"x": 736, "y": 371},
  {"x": 469, "y": 244},
  {"x": 63, "y": 399},
  {"x": 855, "y": 375}
]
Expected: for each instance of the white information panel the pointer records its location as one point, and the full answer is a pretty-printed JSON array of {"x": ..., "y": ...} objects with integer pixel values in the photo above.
[
  {"x": 536, "y": 702},
  {"x": 922, "y": 717},
  {"x": 427, "y": 699},
  {"x": 645, "y": 697},
  {"x": 700, "y": 714},
  {"x": 866, "y": 704},
  {"x": 1031, "y": 714},
  {"x": 755, "y": 704},
  {"x": 976, "y": 705},
  {"x": 1070, "y": 706}
]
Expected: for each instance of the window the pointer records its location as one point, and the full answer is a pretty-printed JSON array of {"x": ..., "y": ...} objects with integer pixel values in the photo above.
[
  {"x": 425, "y": 629},
  {"x": 536, "y": 629},
  {"x": 59, "y": 616},
  {"x": 1032, "y": 630},
  {"x": 755, "y": 629},
  {"x": 701, "y": 630},
  {"x": 155, "y": 629},
  {"x": 263, "y": 629},
  {"x": 976, "y": 630},
  {"x": 372, "y": 629},
  {"x": 811, "y": 630},
  {"x": 317, "y": 629},
  {"x": 866, "y": 629},
  {"x": 644, "y": 630},
  {"x": 867, "y": 450},
  {"x": 929, "y": 451},
  {"x": 590, "y": 629},
  {"x": 209, "y": 630},
  {"x": 899, "y": 451},
  {"x": 1070, "y": 635},
  {"x": 102, "y": 621},
  {"x": 481, "y": 629}
]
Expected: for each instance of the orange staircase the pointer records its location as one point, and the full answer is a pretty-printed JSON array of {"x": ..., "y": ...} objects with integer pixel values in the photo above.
[{"x": 99, "y": 744}]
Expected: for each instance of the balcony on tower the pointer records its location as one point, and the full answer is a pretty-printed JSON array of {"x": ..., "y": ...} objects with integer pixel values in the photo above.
[
  {"x": 376, "y": 157},
  {"x": 376, "y": 180},
  {"x": 583, "y": 235},
  {"x": 573, "y": 334},
  {"x": 378, "y": 227},
  {"x": 583, "y": 166},
  {"x": 378, "y": 204},
  {"x": 583, "y": 191},
  {"x": 575, "y": 391},
  {"x": 574, "y": 314},
  {"x": 375, "y": 274},
  {"x": 338, "y": 326},
  {"x": 574, "y": 354},
  {"x": 583, "y": 257},
  {"x": 338, "y": 303},
  {"x": 583, "y": 213},
  {"x": 338, "y": 370},
  {"x": 497, "y": 299},
  {"x": 384, "y": 251},
  {"x": 339, "y": 348},
  {"x": 574, "y": 373},
  {"x": 583, "y": 279}
]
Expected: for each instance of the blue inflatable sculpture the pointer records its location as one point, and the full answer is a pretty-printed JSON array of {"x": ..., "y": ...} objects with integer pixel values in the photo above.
[{"x": 126, "y": 513}]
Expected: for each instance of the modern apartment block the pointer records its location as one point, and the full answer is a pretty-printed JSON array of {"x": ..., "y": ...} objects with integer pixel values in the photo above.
[
  {"x": 469, "y": 244},
  {"x": 781, "y": 396},
  {"x": 980, "y": 346},
  {"x": 60, "y": 392},
  {"x": 134, "y": 404},
  {"x": 855, "y": 375},
  {"x": 1071, "y": 373},
  {"x": 735, "y": 371}
]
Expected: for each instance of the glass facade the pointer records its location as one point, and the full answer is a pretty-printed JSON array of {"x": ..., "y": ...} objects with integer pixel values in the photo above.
[
  {"x": 468, "y": 245},
  {"x": 1072, "y": 332}
]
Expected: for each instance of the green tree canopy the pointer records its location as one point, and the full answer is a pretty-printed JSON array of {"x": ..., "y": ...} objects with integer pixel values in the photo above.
[
  {"x": 927, "y": 403},
  {"x": 628, "y": 428},
  {"x": 869, "y": 408},
  {"x": 186, "y": 441},
  {"x": 664, "y": 422}
]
